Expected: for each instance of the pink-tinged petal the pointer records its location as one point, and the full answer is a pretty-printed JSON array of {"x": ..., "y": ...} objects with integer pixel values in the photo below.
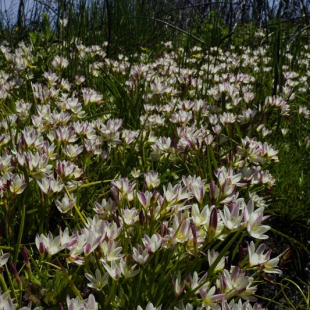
[{"x": 4, "y": 258}]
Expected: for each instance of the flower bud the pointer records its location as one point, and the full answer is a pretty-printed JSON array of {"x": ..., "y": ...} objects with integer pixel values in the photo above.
[
  {"x": 26, "y": 258},
  {"x": 213, "y": 223},
  {"x": 17, "y": 277}
]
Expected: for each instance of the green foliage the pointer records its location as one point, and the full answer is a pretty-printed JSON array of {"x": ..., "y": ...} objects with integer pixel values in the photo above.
[{"x": 46, "y": 289}]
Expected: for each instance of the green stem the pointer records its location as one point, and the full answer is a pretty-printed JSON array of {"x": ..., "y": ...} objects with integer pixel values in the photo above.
[
  {"x": 21, "y": 230},
  {"x": 9, "y": 248},
  {"x": 274, "y": 302},
  {"x": 72, "y": 285},
  {"x": 111, "y": 294},
  {"x": 7, "y": 223},
  {"x": 3, "y": 284},
  {"x": 89, "y": 184},
  {"x": 213, "y": 157},
  {"x": 209, "y": 163},
  {"x": 11, "y": 282},
  {"x": 298, "y": 288}
]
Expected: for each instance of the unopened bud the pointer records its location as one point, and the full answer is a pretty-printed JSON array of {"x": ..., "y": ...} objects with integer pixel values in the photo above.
[
  {"x": 213, "y": 223},
  {"x": 17, "y": 277},
  {"x": 141, "y": 217},
  {"x": 164, "y": 229},
  {"x": 26, "y": 258}
]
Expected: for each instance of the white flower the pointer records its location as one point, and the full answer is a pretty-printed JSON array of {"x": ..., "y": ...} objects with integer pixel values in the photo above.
[
  {"x": 231, "y": 217},
  {"x": 152, "y": 244},
  {"x": 79, "y": 304},
  {"x": 139, "y": 255},
  {"x": 270, "y": 266},
  {"x": 97, "y": 282},
  {"x": 66, "y": 204},
  {"x": 114, "y": 270},
  {"x": 200, "y": 218},
  {"x": 257, "y": 257},
  {"x": 18, "y": 184},
  {"x": 253, "y": 220}
]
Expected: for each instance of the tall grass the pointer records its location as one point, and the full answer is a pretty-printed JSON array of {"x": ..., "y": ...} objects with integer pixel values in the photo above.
[{"x": 130, "y": 25}]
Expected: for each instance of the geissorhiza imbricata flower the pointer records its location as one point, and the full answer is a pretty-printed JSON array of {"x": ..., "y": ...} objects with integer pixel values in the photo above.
[
  {"x": 48, "y": 244},
  {"x": 180, "y": 230},
  {"x": 235, "y": 283},
  {"x": 97, "y": 282},
  {"x": 124, "y": 187},
  {"x": 152, "y": 179},
  {"x": 60, "y": 62},
  {"x": 67, "y": 169},
  {"x": 145, "y": 198},
  {"x": 86, "y": 304},
  {"x": 209, "y": 300},
  {"x": 111, "y": 250},
  {"x": 130, "y": 216},
  {"x": 154, "y": 243},
  {"x": 201, "y": 217},
  {"x": 49, "y": 185},
  {"x": 105, "y": 207},
  {"x": 67, "y": 240},
  {"x": 271, "y": 266},
  {"x": 66, "y": 204},
  {"x": 128, "y": 271},
  {"x": 257, "y": 257},
  {"x": 187, "y": 307},
  {"x": 91, "y": 96},
  {"x": 18, "y": 184},
  {"x": 113, "y": 231},
  {"x": 114, "y": 270},
  {"x": 233, "y": 305},
  {"x": 73, "y": 150},
  {"x": 195, "y": 282},
  {"x": 92, "y": 241},
  {"x": 231, "y": 217},
  {"x": 253, "y": 220},
  {"x": 178, "y": 284},
  {"x": 139, "y": 255}
]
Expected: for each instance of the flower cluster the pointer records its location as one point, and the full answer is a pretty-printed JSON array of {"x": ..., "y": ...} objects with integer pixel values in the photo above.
[{"x": 142, "y": 182}]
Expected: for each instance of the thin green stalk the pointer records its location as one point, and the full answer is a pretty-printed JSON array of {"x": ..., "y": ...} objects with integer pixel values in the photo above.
[
  {"x": 274, "y": 302},
  {"x": 10, "y": 282},
  {"x": 238, "y": 130},
  {"x": 298, "y": 288},
  {"x": 9, "y": 248},
  {"x": 72, "y": 285},
  {"x": 111, "y": 294},
  {"x": 21, "y": 230},
  {"x": 3, "y": 284},
  {"x": 6, "y": 226}
]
